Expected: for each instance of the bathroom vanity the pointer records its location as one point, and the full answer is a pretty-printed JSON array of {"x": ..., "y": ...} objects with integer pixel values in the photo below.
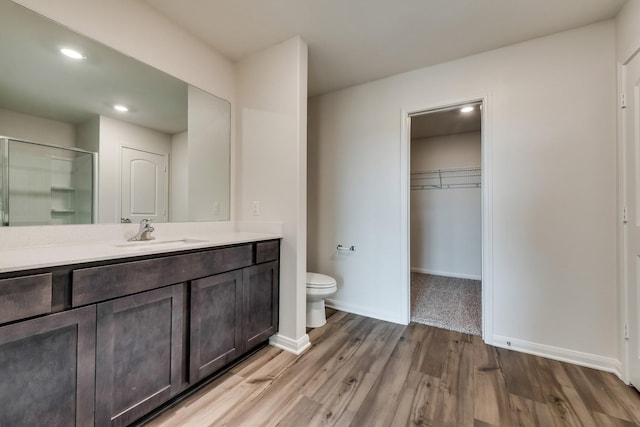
[{"x": 104, "y": 342}]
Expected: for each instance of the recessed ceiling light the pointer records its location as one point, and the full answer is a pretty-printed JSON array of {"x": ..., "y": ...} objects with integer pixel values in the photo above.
[
  {"x": 466, "y": 109},
  {"x": 74, "y": 54},
  {"x": 121, "y": 108}
]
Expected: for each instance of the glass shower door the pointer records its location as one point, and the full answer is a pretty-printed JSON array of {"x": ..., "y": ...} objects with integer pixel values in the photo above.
[{"x": 47, "y": 184}]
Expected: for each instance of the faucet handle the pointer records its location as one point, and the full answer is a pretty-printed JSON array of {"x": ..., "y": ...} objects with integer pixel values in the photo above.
[
  {"x": 144, "y": 231},
  {"x": 146, "y": 234}
]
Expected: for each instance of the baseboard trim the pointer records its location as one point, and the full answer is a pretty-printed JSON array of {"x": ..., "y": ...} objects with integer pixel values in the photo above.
[
  {"x": 363, "y": 311},
  {"x": 445, "y": 273},
  {"x": 290, "y": 345},
  {"x": 588, "y": 360},
  {"x": 618, "y": 372}
]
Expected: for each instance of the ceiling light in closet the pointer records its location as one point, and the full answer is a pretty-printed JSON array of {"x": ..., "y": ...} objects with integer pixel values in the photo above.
[
  {"x": 73, "y": 54},
  {"x": 121, "y": 108},
  {"x": 466, "y": 109}
]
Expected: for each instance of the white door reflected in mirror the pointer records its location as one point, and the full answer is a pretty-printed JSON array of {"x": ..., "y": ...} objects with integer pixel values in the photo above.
[{"x": 144, "y": 185}]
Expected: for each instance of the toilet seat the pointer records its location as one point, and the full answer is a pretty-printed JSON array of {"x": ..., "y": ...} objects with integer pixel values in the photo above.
[{"x": 320, "y": 281}]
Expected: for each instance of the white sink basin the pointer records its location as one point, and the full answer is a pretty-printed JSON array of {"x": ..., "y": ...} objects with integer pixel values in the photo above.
[{"x": 159, "y": 244}]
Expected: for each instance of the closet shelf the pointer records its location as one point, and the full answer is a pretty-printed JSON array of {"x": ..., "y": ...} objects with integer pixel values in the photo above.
[{"x": 468, "y": 177}]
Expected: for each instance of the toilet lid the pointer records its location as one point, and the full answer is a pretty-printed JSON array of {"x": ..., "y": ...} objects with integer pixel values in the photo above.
[{"x": 317, "y": 280}]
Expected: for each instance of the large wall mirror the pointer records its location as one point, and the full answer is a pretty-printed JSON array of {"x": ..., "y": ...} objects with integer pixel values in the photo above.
[{"x": 90, "y": 135}]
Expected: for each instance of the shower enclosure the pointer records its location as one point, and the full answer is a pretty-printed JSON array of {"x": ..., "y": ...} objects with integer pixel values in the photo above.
[{"x": 43, "y": 184}]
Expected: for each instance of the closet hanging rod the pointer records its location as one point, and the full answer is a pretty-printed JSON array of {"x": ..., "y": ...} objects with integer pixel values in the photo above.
[{"x": 474, "y": 169}]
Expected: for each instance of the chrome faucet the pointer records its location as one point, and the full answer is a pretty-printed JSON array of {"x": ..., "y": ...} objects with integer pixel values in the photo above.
[{"x": 144, "y": 231}]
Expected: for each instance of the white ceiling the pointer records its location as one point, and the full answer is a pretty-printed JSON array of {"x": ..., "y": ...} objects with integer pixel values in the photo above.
[{"x": 355, "y": 41}]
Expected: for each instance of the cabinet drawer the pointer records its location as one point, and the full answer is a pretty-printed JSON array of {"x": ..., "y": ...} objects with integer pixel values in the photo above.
[
  {"x": 267, "y": 251},
  {"x": 94, "y": 284},
  {"x": 23, "y": 297}
]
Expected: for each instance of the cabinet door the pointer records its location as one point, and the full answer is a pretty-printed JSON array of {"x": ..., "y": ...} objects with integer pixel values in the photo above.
[
  {"x": 216, "y": 323},
  {"x": 47, "y": 370},
  {"x": 260, "y": 303},
  {"x": 139, "y": 354}
]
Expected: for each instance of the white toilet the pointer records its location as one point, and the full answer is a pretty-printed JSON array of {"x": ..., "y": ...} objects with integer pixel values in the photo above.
[{"x": 319, "y": 287}]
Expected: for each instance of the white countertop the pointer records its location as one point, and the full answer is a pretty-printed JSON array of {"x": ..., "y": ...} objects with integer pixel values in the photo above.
[{"x": 33, "y": 257}]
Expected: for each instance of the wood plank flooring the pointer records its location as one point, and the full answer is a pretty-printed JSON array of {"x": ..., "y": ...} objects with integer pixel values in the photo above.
[{"x": 366, "y": 372}]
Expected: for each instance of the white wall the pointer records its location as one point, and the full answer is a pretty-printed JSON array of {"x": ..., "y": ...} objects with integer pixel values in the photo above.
[
  {"x": 88, "y": 135},
  {"x": 36, "y": 129},
  {"x": 208, "y": 156},
  {"x": 551, "y": 131},
  {"x": 628, "y": 30},
  {"x": 271, "y": 166},
  {"x": 115, "y": 134},
  {"x": 446, "y": 237},
  {"x": 179, "y": 178},
  {"x": 450, "y": 151}
]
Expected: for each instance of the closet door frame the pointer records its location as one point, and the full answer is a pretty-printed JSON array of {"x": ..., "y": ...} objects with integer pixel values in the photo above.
[{"x": 486, "y": 195}]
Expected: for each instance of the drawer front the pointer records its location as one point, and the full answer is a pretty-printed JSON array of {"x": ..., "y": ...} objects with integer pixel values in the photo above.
[
  {"x": 267, "y": 251},
  {"x": 94, "y": 284},
  {"x": 23, "y": 297}
]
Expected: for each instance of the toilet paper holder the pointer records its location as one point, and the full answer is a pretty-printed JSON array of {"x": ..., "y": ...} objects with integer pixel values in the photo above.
[{"x": 345, "y": 248}]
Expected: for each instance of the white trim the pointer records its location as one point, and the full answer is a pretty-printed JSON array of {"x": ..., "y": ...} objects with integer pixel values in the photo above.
[
  {"x": 594, "y": 361},
  {"x": 487, "y": 208},
  {"x": 619, "y": 371},
  {"x": 621, "y": 235},
  {"x": 631, "y": 52},
  {"x": 446, "y": 273},
  {"x": 487, "y": 221},
  {"x": 622, "y": 268},
  {"x": 290, "y": 345},
  {"x": 405, "y": 216},
  {"x": 365, "y": 311}
]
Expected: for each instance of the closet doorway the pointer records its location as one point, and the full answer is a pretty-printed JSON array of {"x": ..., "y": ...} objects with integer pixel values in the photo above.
[{"x": 446, "y": 217}]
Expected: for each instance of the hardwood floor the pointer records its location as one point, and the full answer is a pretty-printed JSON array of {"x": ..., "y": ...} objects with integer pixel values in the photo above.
[{"x": 366, "y": 372}]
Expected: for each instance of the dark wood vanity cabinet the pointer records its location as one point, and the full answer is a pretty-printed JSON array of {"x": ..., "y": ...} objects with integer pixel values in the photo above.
[
  {"x": 260, "y": 303},
  {"x": 231, "y": 314},
  {"x": 132, "y": 334},
  {"x": 47, "y": 370},
  {"x": 216, "y": 323},
  {"x": 139, "y": 342},
  {"x": 24, "y": 297}
]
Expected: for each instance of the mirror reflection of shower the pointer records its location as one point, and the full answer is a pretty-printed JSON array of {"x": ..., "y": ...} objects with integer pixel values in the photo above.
[{"x": 42, "y": 184}]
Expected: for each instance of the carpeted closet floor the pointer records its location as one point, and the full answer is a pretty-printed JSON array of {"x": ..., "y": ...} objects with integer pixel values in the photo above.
[{"x": 447, "y": 302}]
